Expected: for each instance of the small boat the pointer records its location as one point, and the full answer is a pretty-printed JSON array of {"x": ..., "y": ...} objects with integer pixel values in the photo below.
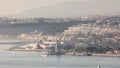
[
  {"x": 44, "y": 55},
  {"x": 99, "y": 66}
]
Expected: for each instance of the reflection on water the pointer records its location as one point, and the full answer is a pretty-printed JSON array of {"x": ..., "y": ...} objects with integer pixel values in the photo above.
[{"x": 17, "y": 59}]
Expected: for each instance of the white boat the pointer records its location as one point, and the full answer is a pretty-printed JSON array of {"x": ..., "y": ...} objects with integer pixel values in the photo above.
[
  {"x": 44, "y": 55},
  {"x": 99, "y": 66}
]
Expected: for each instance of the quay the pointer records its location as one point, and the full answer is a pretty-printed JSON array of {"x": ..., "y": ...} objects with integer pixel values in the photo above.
[{"x": 107, "y": 55}]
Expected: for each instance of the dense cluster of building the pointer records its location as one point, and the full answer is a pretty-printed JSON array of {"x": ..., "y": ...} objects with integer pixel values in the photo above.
[{"x": 108, "y": 27}]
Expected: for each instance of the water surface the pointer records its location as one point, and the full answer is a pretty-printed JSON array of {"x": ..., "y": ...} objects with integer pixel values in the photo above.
[{"x": 21, "y": 59}]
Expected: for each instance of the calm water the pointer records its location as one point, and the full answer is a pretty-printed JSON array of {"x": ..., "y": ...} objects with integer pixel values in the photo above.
[{"x": 15, "y": 59}]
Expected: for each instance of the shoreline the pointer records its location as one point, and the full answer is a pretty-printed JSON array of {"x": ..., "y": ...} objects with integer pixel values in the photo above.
[
  {"x": 70, "y": 54},
  {"x": 36, "y": 50},
  {"x": 107, "y": 55}
]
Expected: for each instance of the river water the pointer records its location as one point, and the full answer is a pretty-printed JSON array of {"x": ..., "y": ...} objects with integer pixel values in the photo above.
[{"x": 21, "y": 59}]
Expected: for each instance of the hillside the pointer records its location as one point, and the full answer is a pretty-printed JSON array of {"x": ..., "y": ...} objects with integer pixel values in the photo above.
[{"x": 48, "y": 28}]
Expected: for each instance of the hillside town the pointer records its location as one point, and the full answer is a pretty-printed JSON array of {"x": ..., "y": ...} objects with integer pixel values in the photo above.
[{"x": 92, "y": 35}]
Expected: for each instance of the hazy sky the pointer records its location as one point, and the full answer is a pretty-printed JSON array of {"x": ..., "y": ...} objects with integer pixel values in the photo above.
[
  {"x": 14, "y": 6},
  {"x": 8, "y": 7}
]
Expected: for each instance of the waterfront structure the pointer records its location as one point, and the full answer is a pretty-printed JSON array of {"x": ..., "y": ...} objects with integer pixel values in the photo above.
[
  {"x": 58, "y": 48},
  {"x": 51, "y": 47},
  {"x": 31, "y": 46},
  {"x": 116, "y": 52}
]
